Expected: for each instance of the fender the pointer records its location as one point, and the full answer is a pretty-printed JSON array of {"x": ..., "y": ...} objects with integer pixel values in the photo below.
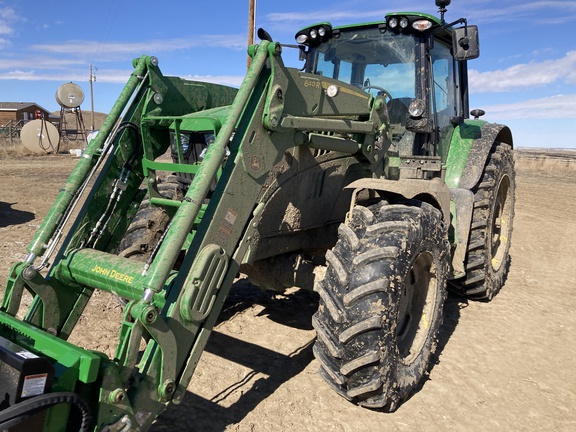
[
  {"x": 434, "y": 192},
  {"x": 469, "y": 149}
]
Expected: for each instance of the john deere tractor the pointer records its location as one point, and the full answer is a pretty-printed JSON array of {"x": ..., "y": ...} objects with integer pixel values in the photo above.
[{"x": 360, "y": 176}]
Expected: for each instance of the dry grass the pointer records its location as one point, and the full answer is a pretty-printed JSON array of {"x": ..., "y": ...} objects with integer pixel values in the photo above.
[
  {"x": 527, "y": 160},
  {"x": 546, "y": 160},
  {"x": 14, "y": 147}
]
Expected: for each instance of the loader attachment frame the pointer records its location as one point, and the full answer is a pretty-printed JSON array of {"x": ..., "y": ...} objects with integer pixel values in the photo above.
[{"x": 174, "y": 299}]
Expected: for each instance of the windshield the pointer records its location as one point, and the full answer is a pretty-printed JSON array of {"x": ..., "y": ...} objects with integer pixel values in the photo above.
[{"x": 369, "y": 59}]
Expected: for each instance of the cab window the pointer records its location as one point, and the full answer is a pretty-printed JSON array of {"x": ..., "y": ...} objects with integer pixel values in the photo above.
[{"x": 445, "y": 93}]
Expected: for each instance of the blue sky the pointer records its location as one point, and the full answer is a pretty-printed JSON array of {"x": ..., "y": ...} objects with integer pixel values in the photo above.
[{"x": 525, "y": 76}]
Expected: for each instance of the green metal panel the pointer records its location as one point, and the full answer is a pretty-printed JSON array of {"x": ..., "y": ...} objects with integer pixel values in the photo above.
[
  {"x": 469, "y": 149},
  {"x": 68, "y": 358},
  {"x": 462, "y": 140}
]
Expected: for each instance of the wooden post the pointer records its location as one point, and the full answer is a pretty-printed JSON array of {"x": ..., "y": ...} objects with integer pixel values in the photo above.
[{"x": 92, "y": 79}]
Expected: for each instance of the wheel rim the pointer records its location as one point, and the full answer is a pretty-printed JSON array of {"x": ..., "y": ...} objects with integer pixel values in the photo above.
[
  {"x": 416, "y": 307},
  {"x": 500, "y": 232}
]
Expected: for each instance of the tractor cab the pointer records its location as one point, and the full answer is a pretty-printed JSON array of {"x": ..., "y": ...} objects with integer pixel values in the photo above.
[{"x": 413, "y": 60}]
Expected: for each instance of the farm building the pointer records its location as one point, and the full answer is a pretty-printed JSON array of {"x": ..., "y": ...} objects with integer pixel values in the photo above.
[{"x": 13, "y": 113}]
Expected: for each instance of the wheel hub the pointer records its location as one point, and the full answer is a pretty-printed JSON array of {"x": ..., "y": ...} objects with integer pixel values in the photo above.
[
  {"x": 415, "y": 307},
  {"x": 500, "y": 224}
]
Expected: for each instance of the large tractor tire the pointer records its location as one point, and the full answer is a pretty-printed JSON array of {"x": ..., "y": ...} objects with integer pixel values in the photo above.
[
  {"x": 149, "y": 224},
  {"x": 381, "y": 302},
  {"x": 487, "y": 259}
]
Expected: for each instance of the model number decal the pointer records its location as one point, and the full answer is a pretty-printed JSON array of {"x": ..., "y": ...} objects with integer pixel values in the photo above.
[{"x": 312, "y": 84}]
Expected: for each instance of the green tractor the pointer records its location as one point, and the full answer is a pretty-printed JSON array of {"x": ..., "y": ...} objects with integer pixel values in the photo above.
[{"x": 360, "y": 176}]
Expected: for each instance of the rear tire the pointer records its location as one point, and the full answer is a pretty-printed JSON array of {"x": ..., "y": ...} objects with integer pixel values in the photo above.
[
  {"x": 488, "y": 259},
  {"x": 381, "y": 302}
]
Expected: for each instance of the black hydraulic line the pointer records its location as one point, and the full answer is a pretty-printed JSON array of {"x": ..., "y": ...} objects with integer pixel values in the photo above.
[
  {"x": 133, "y": 157},
  {"x": 97, "y": 231},
  {"x": 18, "y": 413}
]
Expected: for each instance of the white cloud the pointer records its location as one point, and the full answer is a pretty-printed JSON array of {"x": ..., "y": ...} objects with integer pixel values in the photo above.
[
  {"x": 114, "y": 76},
  {"x": 508, "y": 11},
  {"x": 45, "y": 63},
  {"x": 8, "y": 19},
  {"x": 480, "y": 11},
  {"x": 32, "y": 75},
  {"x": 108, "y": 76},
  {"x": 323, "y": 15},
  {"x": 525, "y": 75},
  {"x": 351, "y": 11},
  {"x": 554, "y": 107},
  {"x": 5, "y": 29},
  {"x": 110, "y": 49}
]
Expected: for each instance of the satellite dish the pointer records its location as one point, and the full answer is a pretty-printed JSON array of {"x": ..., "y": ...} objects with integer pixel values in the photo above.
[
  {"x": 69, "y": 95},
  {"x": 40, "y": 136}
]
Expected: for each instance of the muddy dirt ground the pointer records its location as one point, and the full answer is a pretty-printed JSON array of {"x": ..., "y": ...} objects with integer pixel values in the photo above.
[{"x": 505, "y": 365}]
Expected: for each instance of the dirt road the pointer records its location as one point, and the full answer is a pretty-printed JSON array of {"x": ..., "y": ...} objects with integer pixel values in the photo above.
[{"x": 505, "y": 365}]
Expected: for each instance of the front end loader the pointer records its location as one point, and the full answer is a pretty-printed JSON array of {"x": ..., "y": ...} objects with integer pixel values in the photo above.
[{"x": 365, "y": 164}]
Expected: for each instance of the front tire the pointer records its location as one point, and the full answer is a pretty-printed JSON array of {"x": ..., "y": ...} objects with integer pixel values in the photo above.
[{"x": 381, "y": 302}]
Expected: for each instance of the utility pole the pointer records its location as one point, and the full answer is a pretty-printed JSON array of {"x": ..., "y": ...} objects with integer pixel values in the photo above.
[
  {"x": 92, "y": 79},
  {"x": 251, "y": 23}
]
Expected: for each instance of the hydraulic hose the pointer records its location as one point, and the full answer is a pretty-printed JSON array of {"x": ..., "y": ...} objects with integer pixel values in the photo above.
[
  {"x": 50, "y": 146},
  {"x": 102, "y": 223},
  {"x": 18, "y": 413},
  {"x": 138, "y": 148}
]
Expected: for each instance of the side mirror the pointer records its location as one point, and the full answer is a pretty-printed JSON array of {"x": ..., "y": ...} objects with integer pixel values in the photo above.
[{"x": 465, "y": 43}]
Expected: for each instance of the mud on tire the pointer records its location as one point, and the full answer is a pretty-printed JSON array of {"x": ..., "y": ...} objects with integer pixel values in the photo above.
[
  {"x": 381, "y": 302},
  {"x": 488, "y": 258},
  {"x": 149, "y": 224}
]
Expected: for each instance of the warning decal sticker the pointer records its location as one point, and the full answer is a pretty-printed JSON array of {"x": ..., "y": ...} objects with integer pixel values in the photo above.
[{"x": 34, "y": 385}]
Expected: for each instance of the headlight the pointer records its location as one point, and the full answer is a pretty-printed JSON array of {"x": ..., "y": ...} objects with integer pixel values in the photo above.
[
  {"x": 416, "y": 108},
  {"x": 301, "y": 39},
  {"x": 421, "y": 25},
  {"x": 316, "y": 34},
  {"x": 409, "y": 22},
  {"x": 332, "y": 90}
]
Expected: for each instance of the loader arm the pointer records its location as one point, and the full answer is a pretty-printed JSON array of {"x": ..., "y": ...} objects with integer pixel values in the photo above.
[{"x": 171, "y": 308}]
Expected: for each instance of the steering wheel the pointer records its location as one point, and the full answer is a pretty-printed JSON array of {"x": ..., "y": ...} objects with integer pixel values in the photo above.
[{"x": 385, "y": 92}]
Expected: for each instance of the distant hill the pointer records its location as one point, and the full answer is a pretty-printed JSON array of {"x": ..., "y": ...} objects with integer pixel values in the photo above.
[
  {"x": 86, "y": 117},
  {"x": 70, "y": 136}
]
